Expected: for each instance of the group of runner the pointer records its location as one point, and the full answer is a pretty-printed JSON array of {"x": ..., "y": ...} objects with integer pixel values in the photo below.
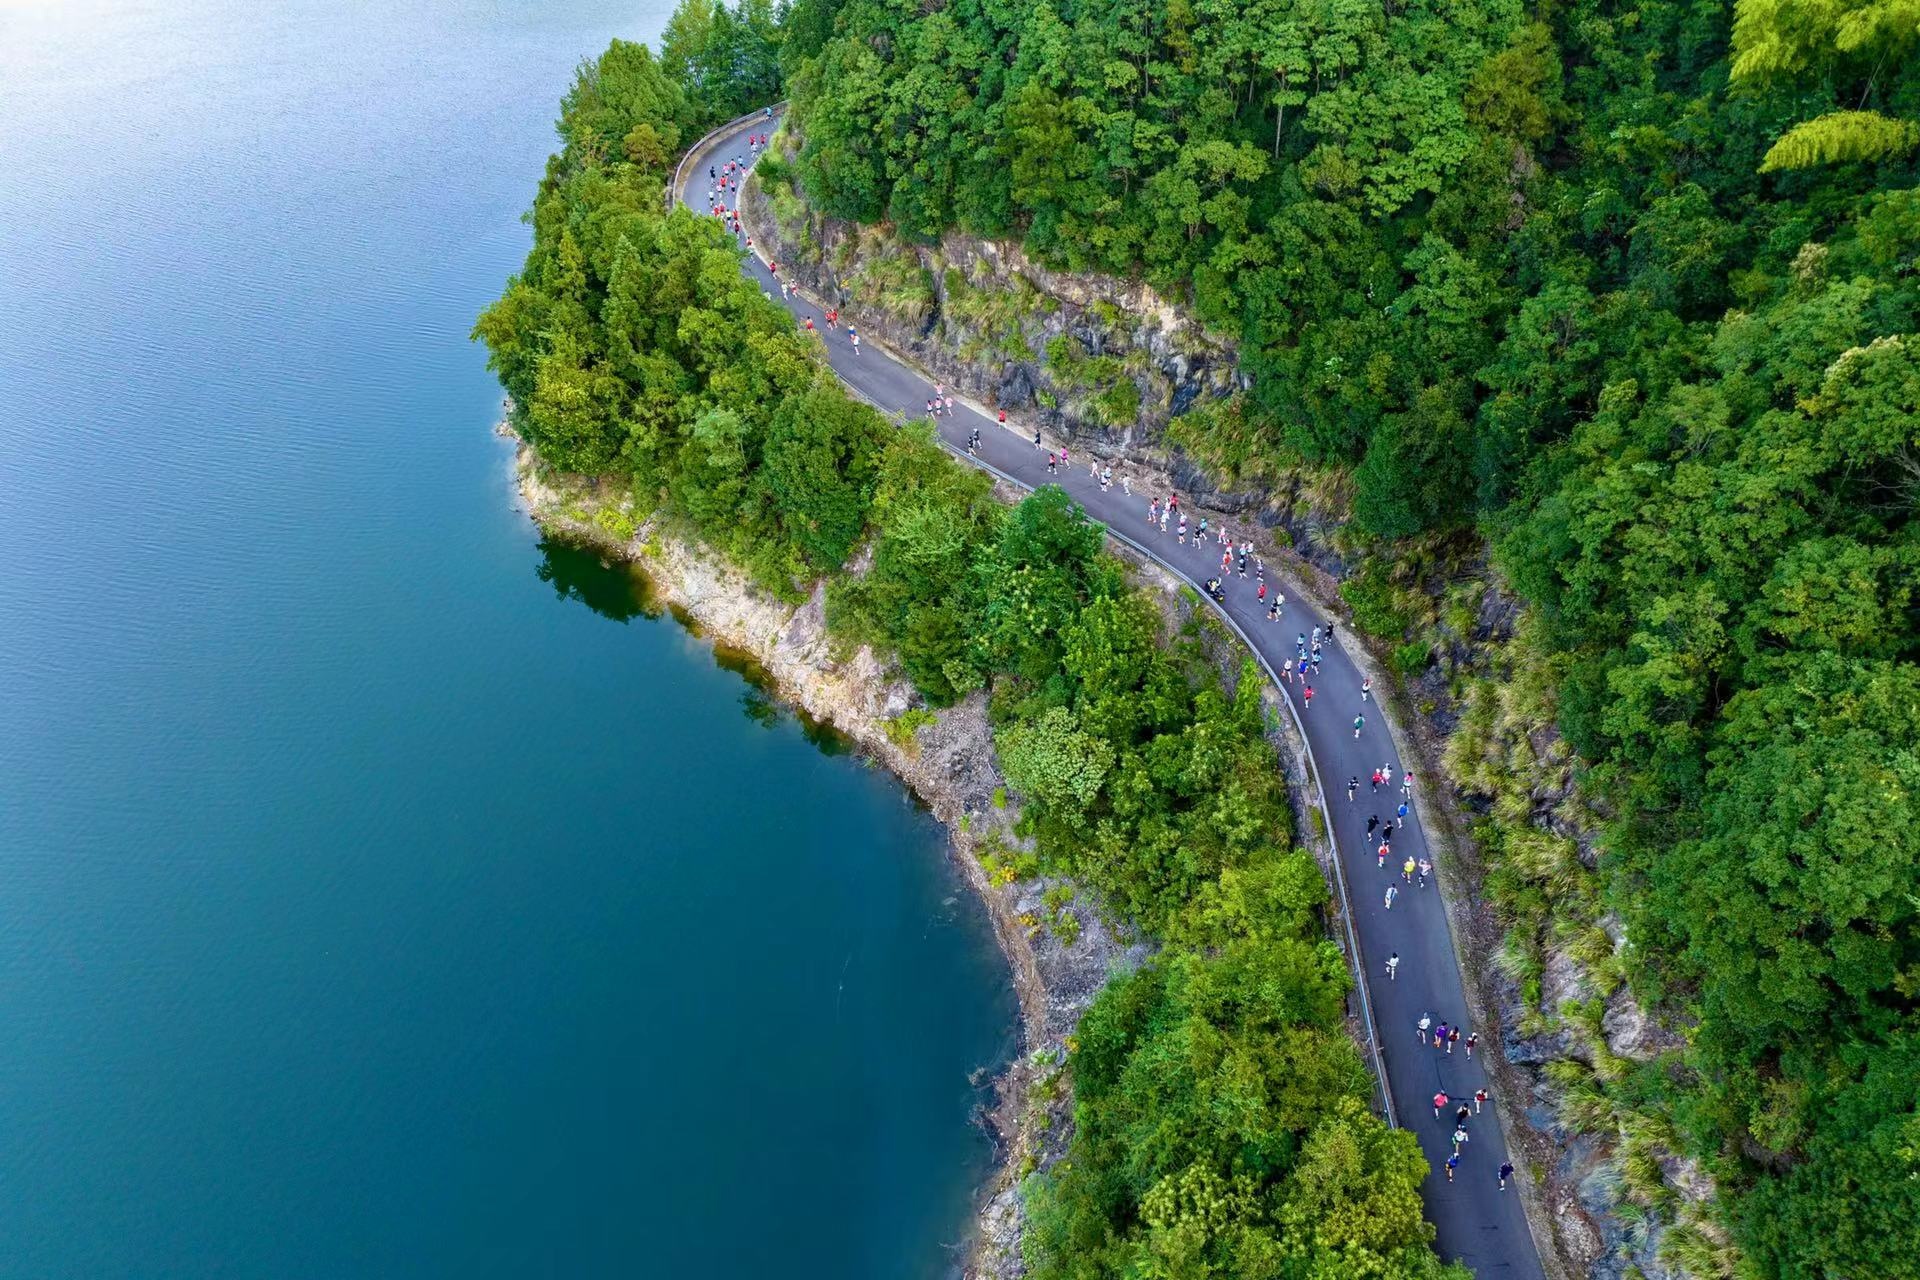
[
  {"x": 1443, "y": 1037},
  {"x": 723, "y": 200}
]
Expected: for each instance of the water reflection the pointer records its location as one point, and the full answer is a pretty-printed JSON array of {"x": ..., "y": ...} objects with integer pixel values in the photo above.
[
  {"x": 623, "y": 592},
  {"x": 617, "y": 591}
]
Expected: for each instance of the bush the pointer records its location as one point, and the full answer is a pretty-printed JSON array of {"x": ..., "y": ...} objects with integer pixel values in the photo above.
[{"x": 1411, "y": 658}]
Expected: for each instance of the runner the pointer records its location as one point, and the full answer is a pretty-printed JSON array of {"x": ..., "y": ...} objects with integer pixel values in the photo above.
[
  {"x": 1383, "y": 851},
  {"x": 1406, "y": 786},
  {"x": 1479, "y": 1099},
  {"x": 1406, "y": 876},
  {"x": 1453, "y": 1038},
  {"x": 1506, "y": 1171},
  {"x": 1392, "y": 893},
  {"x": 1376, "y": 779},
  {"x": 1306, "y": 697},
  {"x": 1393, "y": 966},
  {"x": 1366, "y": 688},
  {"x": 1426, "y": 869},
  {"x": 1459, "y": 1138},
  {"x": 1353, "y": 785},
  {"x": 856, "y": 339},
  {"x": 1358, "y": 723},
  {"x": 1472, "y": 1039},
  {"x": 1440, "y": 1101},
  {"x": 1440, "y": 1036},
  {"x": 1373, "y": 824},
  {"x": 1453, "y": 1162},
  {"x": 1421, "y": 1028}
]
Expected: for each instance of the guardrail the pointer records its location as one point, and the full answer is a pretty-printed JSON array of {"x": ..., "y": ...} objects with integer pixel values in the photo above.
[
  {"x": 706, "y": 140},
  {"x": 1293, "y": 713}
]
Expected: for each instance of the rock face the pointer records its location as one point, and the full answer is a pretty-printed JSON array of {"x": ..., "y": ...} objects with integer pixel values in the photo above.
[
  {"x": 1105, "y": 363},
  {"x": 950, "y": 764}
]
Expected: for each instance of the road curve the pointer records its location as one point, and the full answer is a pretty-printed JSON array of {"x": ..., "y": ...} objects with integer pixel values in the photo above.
[{"x": 1476, "y": 1223}]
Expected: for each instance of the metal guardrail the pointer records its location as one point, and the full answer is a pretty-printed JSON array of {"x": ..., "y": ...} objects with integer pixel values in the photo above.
[{"x": 1293, "y": 713}]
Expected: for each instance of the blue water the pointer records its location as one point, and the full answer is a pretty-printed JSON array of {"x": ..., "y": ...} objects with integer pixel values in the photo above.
[{"x": 381, "y": 893}]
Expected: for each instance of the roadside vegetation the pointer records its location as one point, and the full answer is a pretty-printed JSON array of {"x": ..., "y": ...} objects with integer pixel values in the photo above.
[
  {"x": 1222, "y": 1121},
  {"x": 1623, "y": 293}
]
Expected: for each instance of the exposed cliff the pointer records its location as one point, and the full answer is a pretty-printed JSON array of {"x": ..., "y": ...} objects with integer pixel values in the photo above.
[{"x": 1103, "y": 362}]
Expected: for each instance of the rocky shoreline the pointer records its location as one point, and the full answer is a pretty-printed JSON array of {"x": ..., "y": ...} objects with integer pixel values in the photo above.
[{"x": 948, "y": 763}]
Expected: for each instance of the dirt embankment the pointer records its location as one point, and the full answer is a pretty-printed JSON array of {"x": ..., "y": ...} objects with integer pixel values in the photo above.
[{"x": 949, "y": 763}]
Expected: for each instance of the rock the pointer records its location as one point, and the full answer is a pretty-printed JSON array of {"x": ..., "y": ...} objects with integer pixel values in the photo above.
[
  {"x": 1016, "y": 386},
  {"x": 1189, "y": 478},
  {"x": 1633, "y": 1033},
  {"x": 1537, "y": 1051}
]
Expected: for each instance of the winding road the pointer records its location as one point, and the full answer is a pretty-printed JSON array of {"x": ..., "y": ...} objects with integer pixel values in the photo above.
[{"x": 1476, "y": 1222}]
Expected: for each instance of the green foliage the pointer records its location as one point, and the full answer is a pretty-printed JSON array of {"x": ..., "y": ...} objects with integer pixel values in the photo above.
[
  {"x": 1221, "y": 1129},
  {"x": 1633, "y": 287},
  {"x": 727, "y": 60},
  {"x": 1379, "y": 608},
  {"x": 1411, "y": 658},
  {"x": 902, "y": 730},
  {"x": 1839, "y": 137}
]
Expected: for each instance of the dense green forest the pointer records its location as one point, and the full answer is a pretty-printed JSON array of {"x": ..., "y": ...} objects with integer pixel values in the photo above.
[
  {"x": 1624, "y": 289},
  {"x": 1223, "y": 1118}
]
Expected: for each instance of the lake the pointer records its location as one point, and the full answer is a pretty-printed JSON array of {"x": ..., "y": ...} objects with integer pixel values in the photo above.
[{"x": 382, "y": 891}]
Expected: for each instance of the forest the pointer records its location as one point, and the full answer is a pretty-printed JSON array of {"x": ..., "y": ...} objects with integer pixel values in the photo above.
[
  {"x": 1223, "y": 1121},
  {"x": 1622, "y": 291},
  {"x": 1621, "y": 295}
]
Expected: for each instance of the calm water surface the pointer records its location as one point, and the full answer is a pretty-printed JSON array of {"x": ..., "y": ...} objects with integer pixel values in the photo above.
[{"x": 381, "y": 894}]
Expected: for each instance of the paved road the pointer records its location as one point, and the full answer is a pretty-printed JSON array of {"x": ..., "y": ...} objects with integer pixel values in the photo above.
[{"x": 1477, "y": 1223}]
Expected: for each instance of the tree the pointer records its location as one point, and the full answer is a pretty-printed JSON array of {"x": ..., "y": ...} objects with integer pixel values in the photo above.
[{"x": 821, "y": 463}]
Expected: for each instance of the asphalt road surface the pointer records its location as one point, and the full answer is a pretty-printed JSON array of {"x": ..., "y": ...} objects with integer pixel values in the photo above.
[{"x": 1476, "y": 1222}]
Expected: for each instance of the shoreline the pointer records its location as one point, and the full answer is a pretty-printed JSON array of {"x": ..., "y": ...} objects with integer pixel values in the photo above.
[{"x": 949, "y": 766}]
